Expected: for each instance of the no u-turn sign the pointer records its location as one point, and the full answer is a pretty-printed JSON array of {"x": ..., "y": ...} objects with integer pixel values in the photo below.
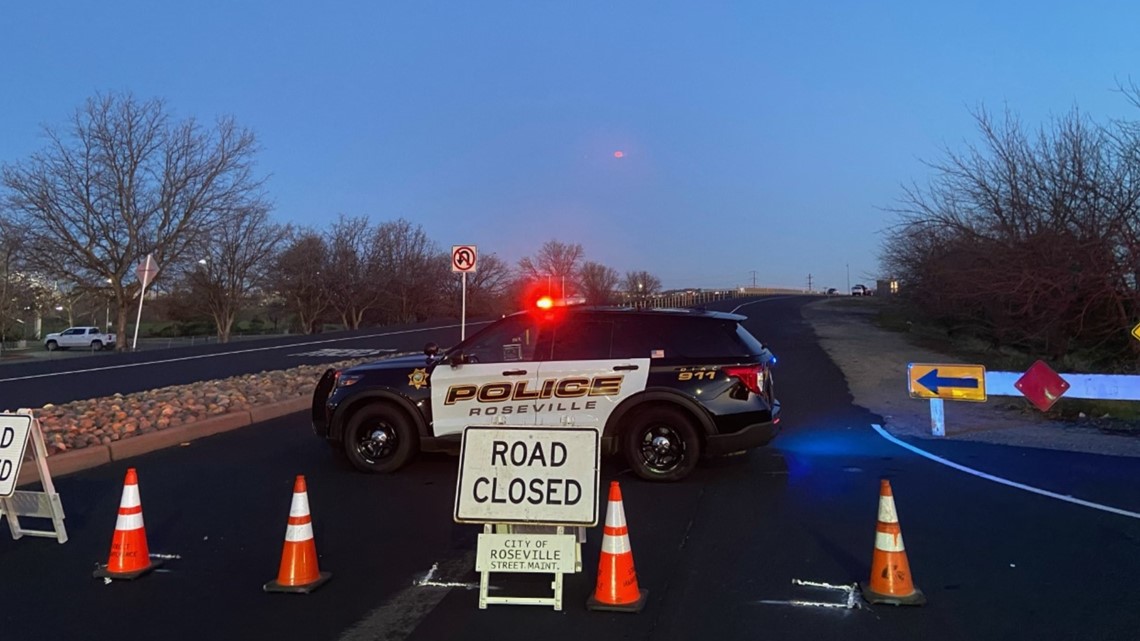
[{"x": 463, "y": 258}]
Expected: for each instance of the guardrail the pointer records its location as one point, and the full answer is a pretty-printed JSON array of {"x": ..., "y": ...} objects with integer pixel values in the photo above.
[{"x": 1100, "y": 387}]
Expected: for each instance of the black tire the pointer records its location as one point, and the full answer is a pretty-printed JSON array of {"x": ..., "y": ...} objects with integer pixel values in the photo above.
[
  {"x": 97, "y": 346},
  {"x": 51, "y": 346},
  {"x": 380, "y": 439},
  {"x": 661, "y": 444}
]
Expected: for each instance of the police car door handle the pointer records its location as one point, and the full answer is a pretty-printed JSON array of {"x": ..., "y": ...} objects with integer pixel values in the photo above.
[
  {"x": 624, "y": 368},
  {"x": 515, "y": 372}
]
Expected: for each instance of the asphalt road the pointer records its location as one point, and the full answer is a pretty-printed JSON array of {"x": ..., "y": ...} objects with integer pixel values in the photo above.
[
  {"x": 718, "y": 552},
  {"x": 33, "y": 383}
]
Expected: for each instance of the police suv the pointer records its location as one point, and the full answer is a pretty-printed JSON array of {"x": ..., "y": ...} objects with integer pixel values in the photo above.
[{"x": 664, "y": 387}]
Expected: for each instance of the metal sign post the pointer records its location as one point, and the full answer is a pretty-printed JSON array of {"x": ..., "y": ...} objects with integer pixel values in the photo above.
[
  {"x": 526, "y": 486},
  {"x": 463, "y": 259},
  {"x": 15, "y": 430},
  {"x": 146, "y": 272}
]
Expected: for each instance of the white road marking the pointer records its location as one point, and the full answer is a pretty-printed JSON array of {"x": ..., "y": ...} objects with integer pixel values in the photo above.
[
  {"x": 240, "y": 351},
  {"x": 762, "y": 300},
  {"x": 397, "y": 618},
  {"x": 997, "y": 479},
  {"x": 334, "y": 352},
  {"x": 850, "y": 600}
]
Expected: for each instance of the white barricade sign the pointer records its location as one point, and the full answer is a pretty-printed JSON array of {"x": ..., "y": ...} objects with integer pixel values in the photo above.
[
  {"x": 525, "y": 486},
  {"x": 519, "y": 475},
  {"x": 15, "y": 432}
]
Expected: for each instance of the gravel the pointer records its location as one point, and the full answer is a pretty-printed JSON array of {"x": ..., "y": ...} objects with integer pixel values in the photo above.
[{"x": 100, "y": 421}]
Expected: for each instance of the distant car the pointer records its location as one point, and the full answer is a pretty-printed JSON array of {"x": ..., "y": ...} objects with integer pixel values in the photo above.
[
  {"x": 831, "y": 291},
  {"x": 82, "y": 337},
  {"x": 860, "y": 290}
]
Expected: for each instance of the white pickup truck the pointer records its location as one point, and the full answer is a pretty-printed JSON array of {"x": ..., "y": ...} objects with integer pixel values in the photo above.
[{"x": 85, "y": 337}]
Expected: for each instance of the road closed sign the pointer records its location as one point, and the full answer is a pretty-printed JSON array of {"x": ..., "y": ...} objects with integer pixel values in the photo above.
[
  {"x": 520, "y": 475},
  {"x": 14, "y": 429}
]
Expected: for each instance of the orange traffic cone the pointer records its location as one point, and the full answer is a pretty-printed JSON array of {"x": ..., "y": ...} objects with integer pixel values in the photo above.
[
  {"x": 299, "y": 572},
  {"x": 130, "y": 557},
  {"x": 890, "y": 572},
  {"x": 617, "y": 580}
]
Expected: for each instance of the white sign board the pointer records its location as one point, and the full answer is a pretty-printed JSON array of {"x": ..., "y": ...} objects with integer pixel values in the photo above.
[
  {"x": 146, "y": 271},
  {"x": 14, "y": 431},
  {"x": 523, "y": 475},
  {"x": 463, "y": 258},
  {"x": 549, "y": 553}
]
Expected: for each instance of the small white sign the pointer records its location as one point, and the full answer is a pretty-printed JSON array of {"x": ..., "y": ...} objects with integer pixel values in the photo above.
[
  {"x": 523, "y": 475},
  {"x": 14, "y": 430},
  {"x": 147, "y": 270},
  {"x": 549, "y": 553},
  {"x": 463, "y": 258}
]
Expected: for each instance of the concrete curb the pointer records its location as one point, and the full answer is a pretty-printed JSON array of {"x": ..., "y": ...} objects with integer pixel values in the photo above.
[{"x": 88, "y": 457}]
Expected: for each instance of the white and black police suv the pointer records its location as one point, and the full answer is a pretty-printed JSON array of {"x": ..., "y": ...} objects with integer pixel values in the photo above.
[{"x": 664, "y": 387}]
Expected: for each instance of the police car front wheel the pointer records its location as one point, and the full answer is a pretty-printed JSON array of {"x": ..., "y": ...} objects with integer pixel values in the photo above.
[
  {"x": 380, "y": 439},
  {"x": 661, "y": 444}
]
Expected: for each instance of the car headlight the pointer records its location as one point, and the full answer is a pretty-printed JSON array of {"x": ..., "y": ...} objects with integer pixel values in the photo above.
[{"x": 344, "y": 380}]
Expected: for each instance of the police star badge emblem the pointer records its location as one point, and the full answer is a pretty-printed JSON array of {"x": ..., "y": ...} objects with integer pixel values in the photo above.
[{"x": 418, "y": 378}]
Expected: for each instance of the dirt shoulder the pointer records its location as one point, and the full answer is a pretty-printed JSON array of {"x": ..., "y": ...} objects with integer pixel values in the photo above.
[{"x": 874, "y": 361}]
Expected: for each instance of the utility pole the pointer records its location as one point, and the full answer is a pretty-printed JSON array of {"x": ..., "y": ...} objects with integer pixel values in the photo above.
[
  {"x": 753, "y": 279},
  {"x": 848, "y": 278},
  {"x": 809, "y": 282}
]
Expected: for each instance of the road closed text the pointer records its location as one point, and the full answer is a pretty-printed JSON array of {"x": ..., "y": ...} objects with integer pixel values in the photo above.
[
  {"x": 545, "y": 475},
  {"x": 536, "y": 491}
]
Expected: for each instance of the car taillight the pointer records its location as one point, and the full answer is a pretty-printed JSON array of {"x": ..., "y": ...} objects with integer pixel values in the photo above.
[{"x": 752, "y": 376}]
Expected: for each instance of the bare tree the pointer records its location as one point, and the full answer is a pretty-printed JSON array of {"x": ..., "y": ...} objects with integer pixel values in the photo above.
[
  {"x": 598, "y": 283},
  {"x": 556, "y": 264},
  {"x": 415, "y": 270},
  {"x": 238, "y": 259},
  {"x": 488, "y": 288},
  {"x": 1017, "y": 239},
  {"x": 9, "y": 282},
  {"x": 121, "y": 181},
  {"x": 300, "y": 278},
  {"x": 639, "y": 284},
  {"x": 356, "y": 279}
]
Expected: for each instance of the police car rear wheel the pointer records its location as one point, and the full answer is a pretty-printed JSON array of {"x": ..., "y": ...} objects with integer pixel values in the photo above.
[
  {"x": 661, "y": 444},
  {"x": 380, "y": 439}
]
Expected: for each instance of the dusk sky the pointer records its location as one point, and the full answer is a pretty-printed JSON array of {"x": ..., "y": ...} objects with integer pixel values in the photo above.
[{"x": 755, "y": 136}]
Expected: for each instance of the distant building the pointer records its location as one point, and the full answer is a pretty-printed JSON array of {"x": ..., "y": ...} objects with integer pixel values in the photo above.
[{"x": 887, "y": 287}]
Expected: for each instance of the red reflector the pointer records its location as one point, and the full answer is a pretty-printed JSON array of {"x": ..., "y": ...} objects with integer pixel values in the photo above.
[{"x": 752, "y": 376}]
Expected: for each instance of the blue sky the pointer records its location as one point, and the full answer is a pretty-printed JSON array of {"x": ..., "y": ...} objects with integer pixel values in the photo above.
[{"x": 757, "y": 136}]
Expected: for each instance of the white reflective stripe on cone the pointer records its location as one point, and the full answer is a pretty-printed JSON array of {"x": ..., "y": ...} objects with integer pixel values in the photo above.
[
  {"x": 130, "y": 496},
  {"x": 615, "y": 515},
  {"x": 129, "y": 522},
  {"x": 616, "y": 544},
  {"x": 299, "y": 533},
  {"x": 300, "y": 505},
  {"x": 887, "y": 512},
  {"x": 889, "y": 542}
]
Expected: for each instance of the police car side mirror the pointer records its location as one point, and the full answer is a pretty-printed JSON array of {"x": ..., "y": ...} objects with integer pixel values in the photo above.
[
  {"x": 456, "y": 359},
  {"x": 431, "y": 349}
]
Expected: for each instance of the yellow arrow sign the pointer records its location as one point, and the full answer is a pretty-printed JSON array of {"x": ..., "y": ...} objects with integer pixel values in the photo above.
[
  {"x": 951, "y": 382},
  {"x": 1136, "y": 332}
]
